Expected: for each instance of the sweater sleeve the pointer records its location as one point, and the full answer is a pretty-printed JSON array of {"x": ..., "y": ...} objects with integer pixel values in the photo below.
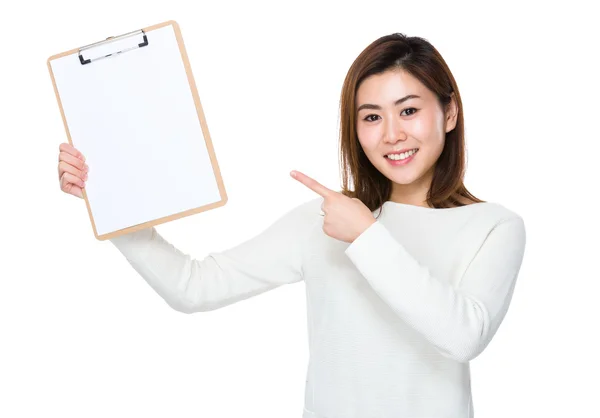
[
  {"x": 459, "y": 321},
  {"x": 268, "y": 260}
]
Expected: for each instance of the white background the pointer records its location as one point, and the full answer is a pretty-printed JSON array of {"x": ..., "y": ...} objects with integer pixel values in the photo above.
[{"x": 82, "y": 335}]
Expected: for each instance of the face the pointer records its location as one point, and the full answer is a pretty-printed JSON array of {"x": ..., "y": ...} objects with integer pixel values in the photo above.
[{"x": 388, "y": 121}]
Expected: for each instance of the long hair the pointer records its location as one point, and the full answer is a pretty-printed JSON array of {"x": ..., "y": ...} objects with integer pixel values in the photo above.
[{"x": 419, "y": 58}]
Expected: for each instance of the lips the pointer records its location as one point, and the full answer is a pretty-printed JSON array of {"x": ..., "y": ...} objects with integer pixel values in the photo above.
[
  {"x": 402, "y": 162},
  {"x": 401, "y": 151}
]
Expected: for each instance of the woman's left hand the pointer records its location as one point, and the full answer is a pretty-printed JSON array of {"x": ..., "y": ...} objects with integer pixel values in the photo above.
[{"x": 345, "y": 218}]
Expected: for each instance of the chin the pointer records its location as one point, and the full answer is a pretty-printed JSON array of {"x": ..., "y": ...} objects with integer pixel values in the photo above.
[{"x": 403, "y": 179}]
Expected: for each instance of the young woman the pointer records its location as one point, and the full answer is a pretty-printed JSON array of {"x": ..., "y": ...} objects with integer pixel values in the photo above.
[{"x": 408, "y": 275}]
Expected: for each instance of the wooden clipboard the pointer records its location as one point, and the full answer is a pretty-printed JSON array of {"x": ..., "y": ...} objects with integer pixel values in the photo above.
[{"x": 179, "y": 148}]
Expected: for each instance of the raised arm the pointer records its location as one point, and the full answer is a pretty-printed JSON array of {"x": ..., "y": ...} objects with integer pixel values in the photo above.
[{"x": 270, "y": 259}]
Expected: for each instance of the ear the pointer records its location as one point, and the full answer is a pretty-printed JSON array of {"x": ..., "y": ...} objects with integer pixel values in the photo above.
[{"x": 451, "y": 113}]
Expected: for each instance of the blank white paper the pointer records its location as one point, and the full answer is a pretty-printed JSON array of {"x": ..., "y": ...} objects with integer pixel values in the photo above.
[{"x": 134, "y": 118}]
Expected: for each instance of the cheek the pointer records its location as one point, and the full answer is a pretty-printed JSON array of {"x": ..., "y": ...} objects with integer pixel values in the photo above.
[
  {"x": 421, "y": 128},
  {"x": 368, "y": 137}
]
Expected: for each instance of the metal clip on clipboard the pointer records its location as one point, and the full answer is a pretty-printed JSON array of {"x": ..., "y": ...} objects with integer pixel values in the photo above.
[{"x": 111, "y": 39}]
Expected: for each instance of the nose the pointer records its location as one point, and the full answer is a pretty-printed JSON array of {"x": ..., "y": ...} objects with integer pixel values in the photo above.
[{"x": 394, "y": 131}]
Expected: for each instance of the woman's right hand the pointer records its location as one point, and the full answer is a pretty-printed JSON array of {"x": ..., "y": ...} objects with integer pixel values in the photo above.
[{"x": 72, "y": 170}]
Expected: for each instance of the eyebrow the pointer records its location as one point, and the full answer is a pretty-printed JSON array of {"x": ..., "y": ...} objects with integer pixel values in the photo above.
[{"x": 376, "y": 107}]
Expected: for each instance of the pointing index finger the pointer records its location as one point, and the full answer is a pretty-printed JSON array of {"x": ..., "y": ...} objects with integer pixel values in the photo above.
[{"x": 311, "y": 183}]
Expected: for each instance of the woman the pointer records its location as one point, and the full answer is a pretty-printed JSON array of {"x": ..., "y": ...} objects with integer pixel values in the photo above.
[{"x": 400, "y": 301}]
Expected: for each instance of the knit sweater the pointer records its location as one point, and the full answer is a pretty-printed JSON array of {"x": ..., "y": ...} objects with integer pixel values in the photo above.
[{"x": 394, "y": 317}]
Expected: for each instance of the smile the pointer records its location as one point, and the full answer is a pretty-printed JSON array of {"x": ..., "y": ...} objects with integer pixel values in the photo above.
[{"x": 402, "y": 161}]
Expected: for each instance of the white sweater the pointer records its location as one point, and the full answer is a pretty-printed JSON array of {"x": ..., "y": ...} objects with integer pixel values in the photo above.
[{"x": 393, "y": 318}]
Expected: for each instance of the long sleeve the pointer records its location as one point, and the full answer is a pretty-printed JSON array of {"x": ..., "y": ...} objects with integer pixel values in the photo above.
[
  {"x": 459, "y": 322},
  {"x": 271, "y": 259}
]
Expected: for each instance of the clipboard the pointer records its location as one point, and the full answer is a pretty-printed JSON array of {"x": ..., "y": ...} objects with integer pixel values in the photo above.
[{"x": 130, "y": 104}]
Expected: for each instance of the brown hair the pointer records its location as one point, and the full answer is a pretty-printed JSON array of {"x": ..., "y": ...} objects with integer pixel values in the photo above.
[{"x": 418, "y": 57}]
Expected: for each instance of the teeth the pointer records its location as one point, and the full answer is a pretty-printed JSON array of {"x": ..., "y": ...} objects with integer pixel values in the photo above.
[{"x": 401, "y": 156}]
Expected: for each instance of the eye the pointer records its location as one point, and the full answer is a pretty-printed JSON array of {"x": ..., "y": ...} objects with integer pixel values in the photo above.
[
  {"x": 368, "y": 116},
  {"x": 410, "y": 108}
]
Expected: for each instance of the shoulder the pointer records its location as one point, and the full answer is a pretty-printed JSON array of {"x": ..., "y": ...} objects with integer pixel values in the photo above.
[
  {"x": 491, "y": 227},
  {"x": 500, "y": 212},
  {"x": 500, "y": 219}
]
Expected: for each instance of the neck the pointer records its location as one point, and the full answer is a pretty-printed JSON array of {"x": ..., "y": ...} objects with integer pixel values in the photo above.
[{"x": 414, "y": 193}]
